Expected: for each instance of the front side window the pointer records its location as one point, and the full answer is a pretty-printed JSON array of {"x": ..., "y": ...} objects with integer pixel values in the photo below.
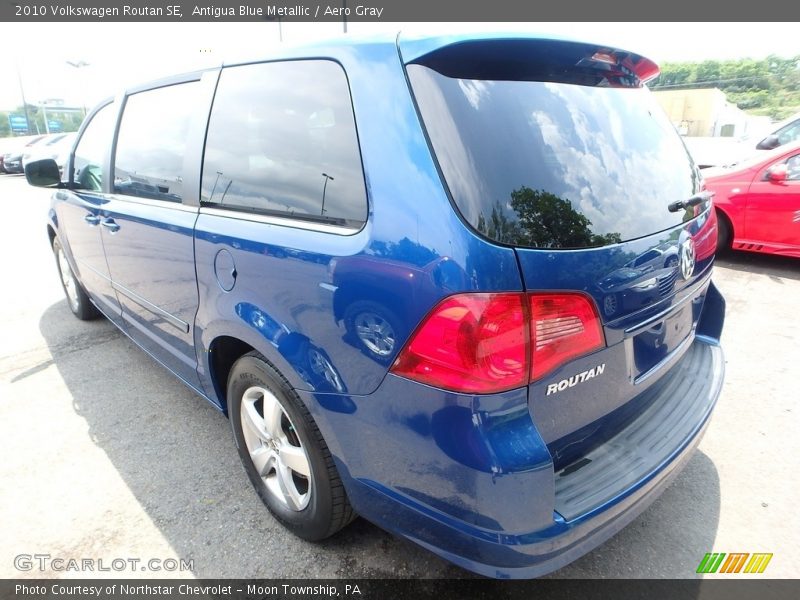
[
  {"x": 152, "y": 142},
  {"x": 90, "y": 155},
  {"x": 282, "y": 141}
]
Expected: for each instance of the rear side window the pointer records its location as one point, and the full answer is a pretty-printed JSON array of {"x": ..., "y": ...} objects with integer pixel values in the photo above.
[
  {"x": 554, "y": 164},
  {"x": 152, "y": 142},
  {"x": 90, "y": 155},
  {"x": 282, "y": 141}
]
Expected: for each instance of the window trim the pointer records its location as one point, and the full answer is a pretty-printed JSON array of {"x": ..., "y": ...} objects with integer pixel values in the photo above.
[
  {"x": 252, "y": 214},
  {"x": 292, "y": 223},
  {"x": 116, "y": 196}
]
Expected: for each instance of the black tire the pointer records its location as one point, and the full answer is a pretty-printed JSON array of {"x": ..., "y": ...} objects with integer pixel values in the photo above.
[
  {"x": 380, "y": 352},
  {"x": 79, "y": 303},
  {"x": 723, "y": 233},
  {"x": 328, "y": 509}
]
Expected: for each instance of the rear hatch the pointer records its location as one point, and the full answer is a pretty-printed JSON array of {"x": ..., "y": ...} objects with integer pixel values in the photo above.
[{"x": 558, "y": 150}]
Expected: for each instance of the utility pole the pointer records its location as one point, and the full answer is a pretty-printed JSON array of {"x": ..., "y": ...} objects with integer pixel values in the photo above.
[
  {"x": 44, "y": 116},
  {"x": 24, "y": 102},
  {"x": 79, "y": 65}
]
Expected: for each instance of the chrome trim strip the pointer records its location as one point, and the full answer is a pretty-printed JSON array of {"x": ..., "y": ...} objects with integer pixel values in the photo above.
[
  {"x": 155, "y": 203},
  {"x": 83, "y": 265},
  {"x": 282, "y": 222},
  {"x": 688, "y": 295},
  {"x": 171, "y": 319}
]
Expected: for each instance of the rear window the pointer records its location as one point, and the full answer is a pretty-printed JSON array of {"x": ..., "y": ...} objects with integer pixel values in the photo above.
[{"x": 555, "y": 164}]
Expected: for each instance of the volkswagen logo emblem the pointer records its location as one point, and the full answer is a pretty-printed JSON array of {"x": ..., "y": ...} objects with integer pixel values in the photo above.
[{"x": 687, "y": 258}]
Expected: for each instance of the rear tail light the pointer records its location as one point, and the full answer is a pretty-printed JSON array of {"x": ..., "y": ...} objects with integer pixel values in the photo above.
[
  {"x": 563, "y": 327},
  {"x": 474, "y": 343},
  {"x": 489, "y": 343}
]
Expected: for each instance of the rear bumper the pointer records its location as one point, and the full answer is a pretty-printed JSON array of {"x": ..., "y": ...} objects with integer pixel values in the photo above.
[{"x": 471, "y": 480}]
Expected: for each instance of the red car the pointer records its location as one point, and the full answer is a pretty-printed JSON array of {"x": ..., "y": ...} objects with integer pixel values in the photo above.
[{"x": 758, "y": 203}]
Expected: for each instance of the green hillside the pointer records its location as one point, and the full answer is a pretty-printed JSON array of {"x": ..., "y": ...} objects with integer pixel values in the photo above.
[{"x": 770, "y": 86}]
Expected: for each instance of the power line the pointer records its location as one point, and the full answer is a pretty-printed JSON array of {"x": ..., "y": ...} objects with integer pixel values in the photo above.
[{"x": 711, "y": 81}]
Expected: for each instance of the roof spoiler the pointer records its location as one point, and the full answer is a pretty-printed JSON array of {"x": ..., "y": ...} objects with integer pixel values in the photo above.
[{"x": 531, "y": 59}]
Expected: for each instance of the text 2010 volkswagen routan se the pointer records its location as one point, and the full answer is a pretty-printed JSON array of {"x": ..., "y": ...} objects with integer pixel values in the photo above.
[{"x": 459, "y": 286}]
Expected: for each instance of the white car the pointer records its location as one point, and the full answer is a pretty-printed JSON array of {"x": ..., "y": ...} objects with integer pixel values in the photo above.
[
  {"x": 721, "y": 151},
  {"x": 57, "y": 148}
]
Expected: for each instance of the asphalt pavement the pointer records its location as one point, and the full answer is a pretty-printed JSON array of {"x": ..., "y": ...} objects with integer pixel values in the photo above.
[{"x": 108, "y": 456}]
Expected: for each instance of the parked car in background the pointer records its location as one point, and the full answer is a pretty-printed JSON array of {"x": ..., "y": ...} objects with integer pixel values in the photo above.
[
  {"x": 56, "y": 147},
  {"x": 12, "y": 161},
  {"x": 381, "y": 260},
  {"x": 720, "y": 151},
  {"x": 785, "y": 132},
  {"x": 758, "y": 202}
]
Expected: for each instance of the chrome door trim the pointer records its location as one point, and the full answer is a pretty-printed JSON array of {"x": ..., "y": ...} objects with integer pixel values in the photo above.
[{"x": 169, "y": 318}]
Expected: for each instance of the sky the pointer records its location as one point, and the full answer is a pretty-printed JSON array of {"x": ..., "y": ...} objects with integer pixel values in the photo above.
[{"x": 120, "y": 54}]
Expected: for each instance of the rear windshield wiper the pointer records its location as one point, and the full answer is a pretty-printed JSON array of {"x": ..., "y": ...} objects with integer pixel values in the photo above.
[{"x": 693, "y": 201}]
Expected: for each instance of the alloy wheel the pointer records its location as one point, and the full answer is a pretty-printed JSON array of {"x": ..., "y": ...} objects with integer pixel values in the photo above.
[{"x": 275, "y": 449}]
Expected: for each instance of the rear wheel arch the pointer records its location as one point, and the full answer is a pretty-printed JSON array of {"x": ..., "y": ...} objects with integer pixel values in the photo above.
[
  {"x": 223, "y": 352},
  {"x": 725, "y": 231}
]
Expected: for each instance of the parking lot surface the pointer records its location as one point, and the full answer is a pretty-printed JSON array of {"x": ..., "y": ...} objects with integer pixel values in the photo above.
[{"x": 107, "y": 455}]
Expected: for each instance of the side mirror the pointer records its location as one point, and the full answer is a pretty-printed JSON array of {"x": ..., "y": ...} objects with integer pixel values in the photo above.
[
  {"x": 43, "y": 173},
  {"x": 769, "y": 143},
  {"x": 778, "y": 173}
]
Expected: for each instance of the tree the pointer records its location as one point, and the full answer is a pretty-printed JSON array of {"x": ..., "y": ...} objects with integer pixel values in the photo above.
[
  {"x": 770, "y": 86},
  {"x": 5, "y": 129},
  {"x": 543, "y": 221}
]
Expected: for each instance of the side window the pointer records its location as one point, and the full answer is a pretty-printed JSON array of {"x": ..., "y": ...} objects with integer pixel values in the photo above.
[
  {"x": 282, "y": 141},
  {"x": 152, "y": 142},
  {"x": 793, "y": 168},
  {"x": 90, "y": 155}
]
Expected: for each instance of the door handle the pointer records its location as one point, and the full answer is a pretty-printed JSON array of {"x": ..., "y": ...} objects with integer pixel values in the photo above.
[
  {"x": 110, "y": 225},
  {"x": 91, "y": 219}
]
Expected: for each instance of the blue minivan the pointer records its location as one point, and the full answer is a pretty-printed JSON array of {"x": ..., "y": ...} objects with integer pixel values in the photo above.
[{"x": 459, "y": 286}]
